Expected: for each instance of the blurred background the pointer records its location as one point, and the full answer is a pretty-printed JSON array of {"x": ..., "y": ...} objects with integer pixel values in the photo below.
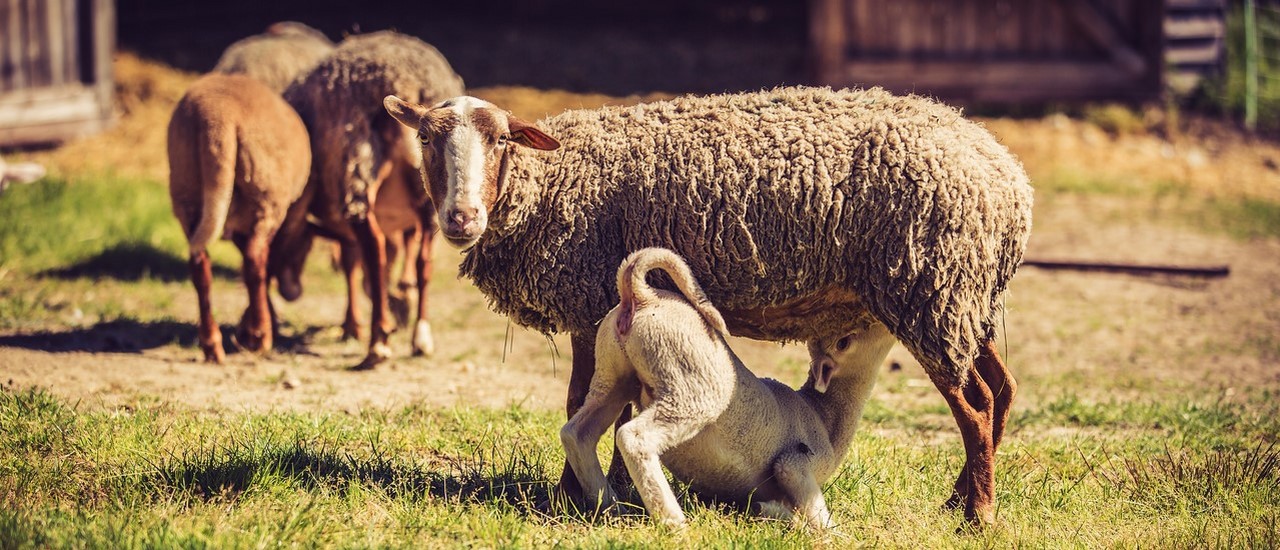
[{"x": 1000, "y": 56}]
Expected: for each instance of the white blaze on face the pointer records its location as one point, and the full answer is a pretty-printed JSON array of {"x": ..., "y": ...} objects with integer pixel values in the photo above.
[{"x": 464, "y": 161}]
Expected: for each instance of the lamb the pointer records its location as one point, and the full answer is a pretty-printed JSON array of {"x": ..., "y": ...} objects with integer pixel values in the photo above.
[
  {"x": 367, "y": 174},
  {"x": 238, "y": 158},
  {"x": 732, "y": 436},
  {"x": 802, "y": 211},
  {"x": 286, "y": 50}
]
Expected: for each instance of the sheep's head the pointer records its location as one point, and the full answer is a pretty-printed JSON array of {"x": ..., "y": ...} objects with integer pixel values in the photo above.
[
  {"x": 290, "y": 247},
  {"x": 824, "y": 360},
  {"x": 465, "y": 143}
]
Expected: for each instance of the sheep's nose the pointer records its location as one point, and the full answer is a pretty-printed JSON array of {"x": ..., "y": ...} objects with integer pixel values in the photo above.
[{"x": 461, "y": 222}]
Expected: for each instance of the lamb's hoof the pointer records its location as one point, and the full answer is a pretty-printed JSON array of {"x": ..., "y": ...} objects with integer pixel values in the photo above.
[
  {"x": 379, "y": 353},
  {"x": 353, "y": 332},
  {"x": 977, "y": 522},
  {"x": 423, "y": 343},
  {"x": 214, "y": 354},
  {"x": 954, "y": 503}
]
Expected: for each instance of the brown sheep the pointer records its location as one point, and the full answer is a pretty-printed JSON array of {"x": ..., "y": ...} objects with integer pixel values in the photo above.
[{"x": 239, "y": 156}]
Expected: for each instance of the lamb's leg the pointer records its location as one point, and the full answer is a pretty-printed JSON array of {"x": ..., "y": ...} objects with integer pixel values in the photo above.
[
  {"x": 1003, "y": 387},
  {"x": 209, "y": 335},
  {"x": 972, "y": 406},
  {"x": 581, "y": 435},
  {"x": 373, "y": 248},
  {"x": 408, "y": 273},
  {"x": 397, "y": 298},
  {"x": 423, "y": 342},
  {"x": 583, "y": 346},
  {"x": 643, "y": 440},
  {"x": 794, "y": 473},
  {"x": 349, "y": 254},
  {"x": 255, "y": 331}
]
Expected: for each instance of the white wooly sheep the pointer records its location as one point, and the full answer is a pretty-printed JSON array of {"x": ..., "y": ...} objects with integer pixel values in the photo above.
[
  {"x": 730, "y": 435},
  {"x": 803, "y": 210}
]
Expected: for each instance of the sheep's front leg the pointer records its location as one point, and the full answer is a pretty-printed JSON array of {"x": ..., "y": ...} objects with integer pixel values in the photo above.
[
  {"x": 209, "y": 335},
  {"x": 349, "y": 255},
  {"x": 423, "y": 342},
  {"x": 794, "y": 473},
  {"x": 373, "y": 248}
]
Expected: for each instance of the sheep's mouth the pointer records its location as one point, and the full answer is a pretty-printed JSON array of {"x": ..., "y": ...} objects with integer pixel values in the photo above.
[{"x": 462, "y": 243}]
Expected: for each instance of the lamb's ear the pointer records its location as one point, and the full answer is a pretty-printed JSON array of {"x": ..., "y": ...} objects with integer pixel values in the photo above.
[
  {"x": 821, "y": 371},
  {"x": 530, "y": 136},
  {"x": 409, "y": 114}
]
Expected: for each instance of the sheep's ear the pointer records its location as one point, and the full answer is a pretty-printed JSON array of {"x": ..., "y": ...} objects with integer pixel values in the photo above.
[
  {"x": 409, "y": 114},
  {"x": 530, "y": 136}
]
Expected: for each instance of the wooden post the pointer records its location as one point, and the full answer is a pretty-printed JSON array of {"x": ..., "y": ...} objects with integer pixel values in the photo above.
[{"x": 1250, "y": 66}]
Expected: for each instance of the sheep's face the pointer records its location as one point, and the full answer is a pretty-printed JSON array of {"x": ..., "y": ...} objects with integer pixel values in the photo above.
[
  {"x": 289, "y": 250},
  {"x": 824, "y": 360},
  {"x": 465, "y": 144}
]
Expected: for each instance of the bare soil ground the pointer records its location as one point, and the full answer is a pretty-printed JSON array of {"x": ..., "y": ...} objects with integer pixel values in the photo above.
[{"x": 1101, "y": 336}]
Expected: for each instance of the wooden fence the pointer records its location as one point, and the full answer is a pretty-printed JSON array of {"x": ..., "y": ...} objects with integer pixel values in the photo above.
[
  {"x": 55, "y": 69},
  {"x": 997, "y": 51}
]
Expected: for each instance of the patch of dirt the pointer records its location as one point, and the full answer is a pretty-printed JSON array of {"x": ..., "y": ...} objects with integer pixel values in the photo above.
[{"x": 1097, "y": 335}]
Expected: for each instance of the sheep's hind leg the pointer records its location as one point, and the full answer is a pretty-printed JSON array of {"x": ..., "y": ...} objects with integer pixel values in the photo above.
[
  {"x": 643, "y": 440},
  {"x": 972, "y": 406},
  {"x": 349, "y": 255},
  {"x": 581, "y": 435},
  {"x": 255, "y": 331},
  {"x": 1003, "y": 387},
  {"x": 209, "y": 335},
  {"x": 584, "y": 368}
]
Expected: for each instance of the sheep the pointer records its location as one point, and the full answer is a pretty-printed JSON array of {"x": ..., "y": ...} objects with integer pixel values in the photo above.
[
  {"x": 802, "y": 210},
  {"x": 19, "y": 172},
  {"x": 367, "y": 177},
  {"x": 286, "y": 50},
  {"x": 238, "y": 158},
  {"x": 730, "y": 435}
]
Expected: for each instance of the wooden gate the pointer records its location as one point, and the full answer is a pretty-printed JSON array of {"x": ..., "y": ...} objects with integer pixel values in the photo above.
[
  {"x": 55, "y": 69},
  {"x": 991, "y": 51}
]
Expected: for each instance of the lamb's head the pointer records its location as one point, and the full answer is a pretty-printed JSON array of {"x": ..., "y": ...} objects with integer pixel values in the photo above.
[
  {"x": 824, "y": 360},
  {"x": 465, "y": 146}
]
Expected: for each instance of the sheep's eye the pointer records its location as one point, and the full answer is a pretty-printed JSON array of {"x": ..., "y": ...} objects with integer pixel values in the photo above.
[
  {"x": 502, "y": 139},
  {"x": 423, "y": 138},
  {"x": 843, "y": 343}
]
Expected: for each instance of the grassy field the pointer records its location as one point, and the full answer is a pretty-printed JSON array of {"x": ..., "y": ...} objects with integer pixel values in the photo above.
[{"x": 1147, "y": 415}]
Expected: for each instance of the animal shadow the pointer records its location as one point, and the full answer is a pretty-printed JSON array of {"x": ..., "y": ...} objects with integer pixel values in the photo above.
[
  {"x": 133, "y": 262},
  {"x": 131, "y": 336}
]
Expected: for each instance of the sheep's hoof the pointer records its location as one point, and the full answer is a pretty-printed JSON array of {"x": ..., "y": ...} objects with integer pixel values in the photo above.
[
  {"x": 353, "y": 331},
  {"x": 423, "y": 343},
  {"x": 214, "y": 354},
  {"x": 378, "y": 353},
  {"x": 399, "y": 306},
  {"x": 954, "y": 503}
]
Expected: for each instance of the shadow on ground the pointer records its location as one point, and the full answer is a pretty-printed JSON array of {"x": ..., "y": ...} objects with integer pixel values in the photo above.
[
  {"x": 508, "y": 475},
  {"x": 133, "y": 262},
  {"x": 130, "y": 336}
]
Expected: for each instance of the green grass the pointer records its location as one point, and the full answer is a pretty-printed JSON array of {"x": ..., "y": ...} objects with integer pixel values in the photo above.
[
  {"x": 1239, "y": 217},
  {"x": 151, "y": 475}
]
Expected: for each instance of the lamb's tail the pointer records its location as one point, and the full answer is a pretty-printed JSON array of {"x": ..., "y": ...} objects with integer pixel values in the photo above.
[
  {"x": 215, "y": 158},
  {"x": 634, "y": 291}
]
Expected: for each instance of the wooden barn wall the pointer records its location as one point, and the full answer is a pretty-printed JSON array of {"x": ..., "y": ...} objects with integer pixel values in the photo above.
[
  {"x": 55, "y": 68},
  {"x": 991, "y": 50}
]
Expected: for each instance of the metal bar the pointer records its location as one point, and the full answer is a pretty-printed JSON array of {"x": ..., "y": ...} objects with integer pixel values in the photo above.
[{"x": 1212, "y": 272}]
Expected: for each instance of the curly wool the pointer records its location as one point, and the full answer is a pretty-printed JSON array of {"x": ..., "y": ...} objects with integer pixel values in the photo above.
[
  {"x": 341, "y": 103},
  {"x": 771, "y": 197},
  {"x": 275, "y": 58}
]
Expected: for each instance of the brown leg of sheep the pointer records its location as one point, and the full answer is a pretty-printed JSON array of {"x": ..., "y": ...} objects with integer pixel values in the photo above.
[
  {"x": 373, "y": 248},
  {"x": 1004, "y": 387},
  {"x": 408, "y": 273},
  {"x": 423, "y": 341},
  {"x": 584, "y": 367},
  {"x": 202, "y": 279},
  {"x": 254, "y": 332},
  {"x": 350, "y": 257},
  {"x": 972, "y": 406}
]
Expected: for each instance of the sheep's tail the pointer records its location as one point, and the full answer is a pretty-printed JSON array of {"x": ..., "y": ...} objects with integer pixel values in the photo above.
[
  {"x": 634, "y": 291},
  {"x": 215, "y": 158}
]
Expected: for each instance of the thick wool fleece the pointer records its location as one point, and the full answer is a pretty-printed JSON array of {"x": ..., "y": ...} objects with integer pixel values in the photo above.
[
  {"x": 275, "y": 59},
  {"x": 238, "y": 157},
  {"x": 772, "y": 197},
  {"x": 341, "y": 103}
]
